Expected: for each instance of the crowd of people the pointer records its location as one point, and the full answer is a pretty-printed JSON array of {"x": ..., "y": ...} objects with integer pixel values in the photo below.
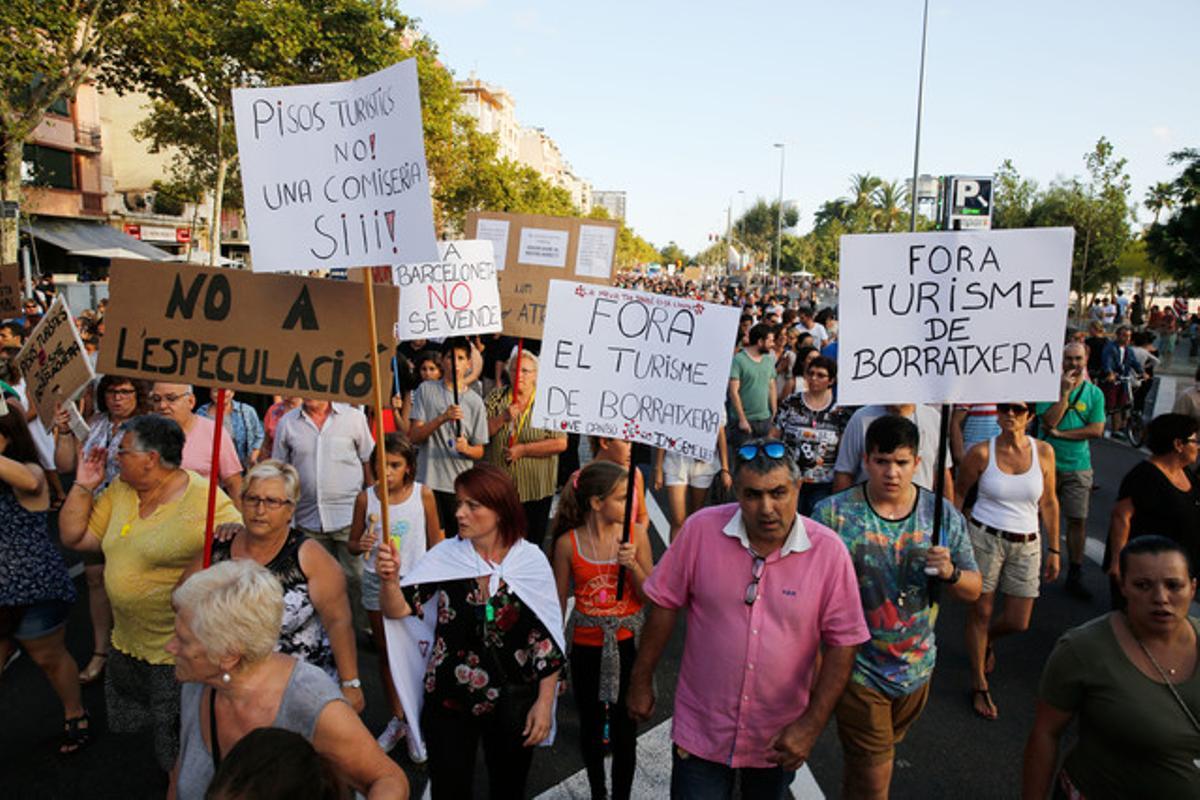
[{"x": 808, "y": 555}]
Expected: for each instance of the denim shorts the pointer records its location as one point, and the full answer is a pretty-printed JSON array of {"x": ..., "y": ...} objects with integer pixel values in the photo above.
[
  {"x": 370, "y": 590},
  {"x": 42, "y": 619}
]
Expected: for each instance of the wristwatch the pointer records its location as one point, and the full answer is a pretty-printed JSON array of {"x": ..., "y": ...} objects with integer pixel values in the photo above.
[
  {"x": 953, "y": 579},
  {"x": 353, "y": 683}
]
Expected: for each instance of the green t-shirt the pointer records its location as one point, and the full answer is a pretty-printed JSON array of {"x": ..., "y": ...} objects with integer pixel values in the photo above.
[
  {"x": 1084, "y": 406},
  {"x": 755, "y": 387},
  {"x": 1134, "y": 739}
]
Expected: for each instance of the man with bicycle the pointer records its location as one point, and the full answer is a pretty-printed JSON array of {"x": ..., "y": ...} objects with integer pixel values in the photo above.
[
  {"x": 1068, "y": 425},
  {"x": 1122, "y": 373}
]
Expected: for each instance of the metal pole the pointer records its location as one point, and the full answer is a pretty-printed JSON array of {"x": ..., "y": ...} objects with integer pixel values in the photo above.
[
  {"x": 728, "y": 234},
  {"x": 912, "y": 223},
  {"x": 779, "y": 219}
]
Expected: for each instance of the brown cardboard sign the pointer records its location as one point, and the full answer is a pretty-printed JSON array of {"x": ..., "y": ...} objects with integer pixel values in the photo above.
[
  {"x": 275, "y": 334},
  {"x": 533, "y": 249},
  {"x": 53, "y": 362},
  {"x": 10, "y": 290}
]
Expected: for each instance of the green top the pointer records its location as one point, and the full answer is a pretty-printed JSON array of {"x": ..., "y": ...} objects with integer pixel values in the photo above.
[
  {"x": 1084, "y": 406},
  {"x": 755, "y": 385},
  {"x": 535, "y": 477},
  {"x": 1134, "y": 739}
]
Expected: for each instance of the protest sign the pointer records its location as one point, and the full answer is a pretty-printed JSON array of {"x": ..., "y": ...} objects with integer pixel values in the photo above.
[
  {"x": 334, "y": 174},
  {"x": 970, "y": 317},
  {"x": 456, "y": 295},
  {"x": 532, "y": 249},
  {"x": 10, "y": 290},
  {"x": 53, "y": 362},
  {"x": 276, "y": 334},
  {"x": 633, "y": 365}
]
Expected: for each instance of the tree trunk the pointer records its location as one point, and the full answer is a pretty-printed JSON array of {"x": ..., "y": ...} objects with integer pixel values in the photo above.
[
  {"x": 214, "y": 246},
  {"x": 11, "y": 192}
]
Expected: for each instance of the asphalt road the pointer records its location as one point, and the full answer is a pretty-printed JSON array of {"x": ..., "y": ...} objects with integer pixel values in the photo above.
[{"x": 950, "y": 751}]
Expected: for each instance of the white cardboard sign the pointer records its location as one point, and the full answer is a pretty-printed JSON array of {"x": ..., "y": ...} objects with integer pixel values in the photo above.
[
  {"x": 633, "y": 365},
  {"x": 953, "y": 317},
  {"x": 457, "y": 295},
  {"x": 334, "y": 174}
]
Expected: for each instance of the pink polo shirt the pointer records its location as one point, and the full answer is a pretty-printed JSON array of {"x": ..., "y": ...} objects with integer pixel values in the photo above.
[
  {"x": 197, "y": 449},
  {"x": 747, "y": 670}
]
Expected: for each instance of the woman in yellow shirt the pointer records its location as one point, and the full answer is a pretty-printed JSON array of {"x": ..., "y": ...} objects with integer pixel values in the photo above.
[{"x": 149, "y": 523}]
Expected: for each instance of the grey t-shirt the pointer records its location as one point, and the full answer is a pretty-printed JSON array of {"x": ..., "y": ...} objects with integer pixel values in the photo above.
[
  {"x": 438, "y": 463},
  {"x": 854, "y": 440},
  {"x": 308, "y": 691}
]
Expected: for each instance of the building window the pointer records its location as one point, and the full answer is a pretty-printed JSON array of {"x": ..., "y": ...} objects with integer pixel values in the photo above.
[
  {"x": 61, "y": 106},
  {"x": 45, "y": 166}
]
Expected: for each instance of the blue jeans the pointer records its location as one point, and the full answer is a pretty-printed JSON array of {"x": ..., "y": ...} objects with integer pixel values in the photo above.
[{"x": 693, "y": 778}]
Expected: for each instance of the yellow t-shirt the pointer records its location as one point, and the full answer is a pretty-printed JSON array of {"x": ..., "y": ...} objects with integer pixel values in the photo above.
[{"x": 144, "y": 559}]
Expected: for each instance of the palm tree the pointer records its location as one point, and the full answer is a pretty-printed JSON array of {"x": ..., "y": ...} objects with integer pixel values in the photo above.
[
  {"x": 890, "y": 198},
  {"x": 1159, "y": 198},
  {"x": 862, "y": 186}
]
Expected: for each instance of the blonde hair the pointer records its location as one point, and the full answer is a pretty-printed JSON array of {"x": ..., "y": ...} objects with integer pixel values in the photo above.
[
  {"x": 272, "y": 469},
  {"x": 235, "y": 609}
]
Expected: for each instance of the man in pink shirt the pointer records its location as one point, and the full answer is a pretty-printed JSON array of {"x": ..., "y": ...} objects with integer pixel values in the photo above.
[
  {"x": 765, "y": 590},
  {"x": 177, "y": 401}
]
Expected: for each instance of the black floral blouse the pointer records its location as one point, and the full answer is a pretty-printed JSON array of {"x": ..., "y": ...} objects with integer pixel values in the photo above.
[{"x": 481, "y": 646}]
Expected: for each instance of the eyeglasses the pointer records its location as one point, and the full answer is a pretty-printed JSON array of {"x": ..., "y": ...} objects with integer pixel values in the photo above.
[
  {"x": 170, "y": 399},
  {"x": 756, "y": 573},
  {"x": 771, "y": 448},
  {"x": 1011, "y": 408},
  {"x": 273, "y": 503},
  {"x": 121, "y": 392}
]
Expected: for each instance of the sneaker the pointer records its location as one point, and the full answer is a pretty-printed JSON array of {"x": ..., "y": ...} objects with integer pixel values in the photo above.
[
  {"x": 1076, "y": 589},
  {"x": 392, "y": 734}
]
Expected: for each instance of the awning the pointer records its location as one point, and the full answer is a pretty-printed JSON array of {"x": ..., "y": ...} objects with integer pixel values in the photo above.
[{"x": 86, "y": 239}]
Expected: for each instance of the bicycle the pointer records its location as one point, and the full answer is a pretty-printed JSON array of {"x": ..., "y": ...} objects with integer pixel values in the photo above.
[{"x": 1134, "y": 428}]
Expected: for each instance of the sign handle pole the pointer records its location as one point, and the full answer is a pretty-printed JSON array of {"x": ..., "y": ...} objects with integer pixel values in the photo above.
[
  {"x": 630, "y": 518},
  {"x": 454, "y": 380},
  {"x": 214, "y": 477},
  {"x": 512, "y": 437},
  {"x": 377, "y": 391},
  {"x": 939, "y": 490}
]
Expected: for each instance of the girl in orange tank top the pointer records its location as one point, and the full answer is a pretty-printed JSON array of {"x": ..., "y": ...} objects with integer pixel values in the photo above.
[{"x": 588, "y": 553}]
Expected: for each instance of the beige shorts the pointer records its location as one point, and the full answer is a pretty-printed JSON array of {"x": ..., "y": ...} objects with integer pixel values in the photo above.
[
  {"x": 1011, "y": 567},
  {"x": 1074, "y": 490}
]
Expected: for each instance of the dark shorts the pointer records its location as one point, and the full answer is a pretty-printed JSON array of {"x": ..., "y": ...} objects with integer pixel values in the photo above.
[
  {"x": 143, "y": 696},
  {"x": 42, "y": 619}
]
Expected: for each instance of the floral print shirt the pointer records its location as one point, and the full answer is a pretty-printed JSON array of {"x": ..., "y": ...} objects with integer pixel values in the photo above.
[{"x": 474, "y": 657}]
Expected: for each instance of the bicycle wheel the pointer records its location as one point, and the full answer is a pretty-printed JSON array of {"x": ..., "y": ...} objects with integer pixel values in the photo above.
[{"x": 1135, "y": 428}]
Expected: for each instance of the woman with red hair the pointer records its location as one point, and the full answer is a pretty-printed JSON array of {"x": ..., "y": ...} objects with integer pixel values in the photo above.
[{"x": 488, "y": 604}]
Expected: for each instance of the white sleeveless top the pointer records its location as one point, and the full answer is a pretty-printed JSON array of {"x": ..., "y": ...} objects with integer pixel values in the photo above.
[
  {"x": 1009, "y": 502},
  {"x": 408, "y": 522}
]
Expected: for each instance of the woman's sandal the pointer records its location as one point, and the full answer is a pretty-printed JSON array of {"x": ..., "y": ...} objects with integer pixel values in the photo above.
[
  {"x": 77, "y": 733},
  {"x": 93, "y": 671},
  {"x": 987, "y": 698}
]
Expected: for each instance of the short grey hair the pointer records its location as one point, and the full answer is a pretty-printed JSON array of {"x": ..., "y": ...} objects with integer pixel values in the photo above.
[
  {"x": 762, "y": 464},
  {"x": 275, "y": 470},
  {"x": 157, "y": 434},
  {"x": 234, "y": 608},
  {"x": 513, "y": 365}
]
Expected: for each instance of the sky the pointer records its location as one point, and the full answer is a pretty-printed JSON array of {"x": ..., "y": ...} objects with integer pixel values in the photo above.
[{"x": 679, "y": 104}]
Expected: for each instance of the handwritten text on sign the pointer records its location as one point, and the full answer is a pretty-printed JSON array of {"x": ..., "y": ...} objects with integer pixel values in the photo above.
[
  {"x": 53, "y": 362},
  {"x": 456, "y": 295},
  {"x": 334, "y": 174},
  {"x": 636, "y": 366},
  {"x": 953, "y": 317},
  {"x": 276, "y": 334}
]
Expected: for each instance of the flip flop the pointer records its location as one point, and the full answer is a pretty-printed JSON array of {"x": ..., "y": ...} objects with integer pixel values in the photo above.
[{"x": 987, "y": 696}]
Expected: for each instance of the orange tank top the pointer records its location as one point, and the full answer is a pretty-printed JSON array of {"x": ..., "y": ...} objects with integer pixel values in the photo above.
[{"x": 596, "y": 595}]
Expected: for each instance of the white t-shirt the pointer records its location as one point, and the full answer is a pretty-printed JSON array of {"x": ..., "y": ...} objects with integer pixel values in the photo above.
[
  {"x": 407, "y": 521},
  {"x": 818, "y": 332}
]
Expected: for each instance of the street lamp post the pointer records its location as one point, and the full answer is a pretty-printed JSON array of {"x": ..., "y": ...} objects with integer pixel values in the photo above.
[
  {"x": 779, "y": 218},
  {"x": 912, "y": 223}
]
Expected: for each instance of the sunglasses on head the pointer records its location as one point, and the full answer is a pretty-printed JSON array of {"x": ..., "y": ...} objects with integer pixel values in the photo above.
[
  {"x": 771, "y": 448},
  {"x": 1012, "y": 408}
]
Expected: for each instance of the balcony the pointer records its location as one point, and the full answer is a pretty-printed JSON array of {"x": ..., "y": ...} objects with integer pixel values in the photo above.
[{"x": 87, "y": 138}]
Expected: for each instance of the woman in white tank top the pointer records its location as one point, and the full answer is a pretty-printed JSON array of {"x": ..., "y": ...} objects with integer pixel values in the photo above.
[{"x": 1014, "y": 477}]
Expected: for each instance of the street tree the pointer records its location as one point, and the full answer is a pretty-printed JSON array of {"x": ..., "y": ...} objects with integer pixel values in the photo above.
[
  {"x": 1175, "y": 242},
  {"x": 50, "y": 49},
  {"x": 756, "y": 228},
  {"x": 1013, "y": 197}
]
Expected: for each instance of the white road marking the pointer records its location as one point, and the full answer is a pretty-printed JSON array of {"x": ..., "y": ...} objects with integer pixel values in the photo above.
[
  {"x": 658, "y": 520},
  {"x": 652, "y": 777},
  {"x": 1165, "y": 400}
]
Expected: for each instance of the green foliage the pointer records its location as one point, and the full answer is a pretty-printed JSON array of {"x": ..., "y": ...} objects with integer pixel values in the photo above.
[
  {"x": 755, "y": 229},
  {"x": 1175, "y": 243},
  {"x": 1012, "y": 197},
  {"x": 672, "y": 254}
]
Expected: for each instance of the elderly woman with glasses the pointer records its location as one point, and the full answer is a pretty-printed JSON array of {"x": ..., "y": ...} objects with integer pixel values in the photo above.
[
  {"x": 317, "y": 626},
  {"x": 226, "y": 628},
  {"x": 178, "y": 401},
  {"x": 1160, "y": 495},
  {"x": 149, "y": 523},
  {"x": 1015, "y": 477}
]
